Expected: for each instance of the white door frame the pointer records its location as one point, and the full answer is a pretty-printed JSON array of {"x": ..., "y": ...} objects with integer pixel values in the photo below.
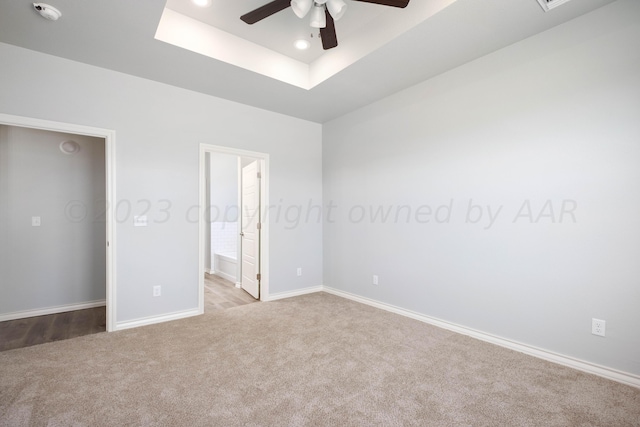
[
  {"x": 263, "y": 158},
  {"x": 110, "y": 182}
]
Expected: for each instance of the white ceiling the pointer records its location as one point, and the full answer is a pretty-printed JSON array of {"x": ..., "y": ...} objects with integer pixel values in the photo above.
[
  {"x": 279, "y": 31},
  {"x": 266, "y": 47},
  {"x": 119, "y": 35}
]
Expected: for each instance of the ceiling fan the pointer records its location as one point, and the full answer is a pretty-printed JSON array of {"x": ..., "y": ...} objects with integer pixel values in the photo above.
[{"x": 323, "y": 14}]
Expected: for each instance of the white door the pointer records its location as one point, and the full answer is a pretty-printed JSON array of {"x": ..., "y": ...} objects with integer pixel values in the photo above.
[{"x": 251, "y": 229}]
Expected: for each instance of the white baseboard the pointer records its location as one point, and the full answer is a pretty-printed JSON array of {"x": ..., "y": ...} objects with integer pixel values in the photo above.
[
  {"x": 225, "y": 276},
  {"x": 297, "y": 292},
  {"x": 581, "y": 365},
  {"x": 128, "y": 324},
  {"x": 51, "y": 310},
  {"x": 189, "y": 313}
]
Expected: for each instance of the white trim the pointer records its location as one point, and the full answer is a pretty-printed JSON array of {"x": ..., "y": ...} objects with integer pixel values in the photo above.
[
  {"x": 297, "y": 292},
  {"x": 51, "y": 310},
  {"x": 264, "y": 229},
  {"x": 151, "y": 320},
  {"x": 110, "y": 181},
  {"x": 225, "y": 276},
  {"x": 202, "y": 179},
  {"x": 263, "y": 158},
  {"x": 581, "y": 365},
  {"x": 238, "y": 279}
]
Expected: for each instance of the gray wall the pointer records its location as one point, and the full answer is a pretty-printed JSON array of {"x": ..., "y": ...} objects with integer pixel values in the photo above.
[
  {"x": 553, "y": 119},
  {"x": 62, "y": 261},
  {"x": 158, "y": 132},
  {"x": 224, "y": 188},
  {"x": 222, "y": 196}
]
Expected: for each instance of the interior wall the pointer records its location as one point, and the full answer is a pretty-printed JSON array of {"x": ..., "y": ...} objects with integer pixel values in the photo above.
[
  {"x": 511, "y": 190},
  {"x": 159, "y": 129},
  {"x": 221, "y": 172},
  {"x": 224, "y": 211},
  {"x": 224, "y": 188},
  {"x": 62, "y": 261}
]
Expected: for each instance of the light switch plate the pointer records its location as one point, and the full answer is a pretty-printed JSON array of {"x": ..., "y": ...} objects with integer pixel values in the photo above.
[
  {"x": 140, "y": 221},
  {"x": 35, "y": 221}
]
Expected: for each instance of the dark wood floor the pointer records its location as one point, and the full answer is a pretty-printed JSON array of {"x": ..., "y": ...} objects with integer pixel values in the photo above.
[
  {"x": 219, "y": 294},
  {"x": 53, "y": 327}
]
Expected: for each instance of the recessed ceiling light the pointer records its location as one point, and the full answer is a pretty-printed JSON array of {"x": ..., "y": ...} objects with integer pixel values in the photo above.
[
  {"x": 302, "y": 44},
  {"x": 47, "y": 11},
  {"x": 202, "y": 3}
]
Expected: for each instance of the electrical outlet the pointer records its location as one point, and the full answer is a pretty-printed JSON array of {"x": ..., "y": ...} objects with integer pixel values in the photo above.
[
  {"x": 375, "y": 279},
  {"x": 598, "y": 327},
  {"x": 299, "y": 271},
  {"x": 157, "y": 291}
]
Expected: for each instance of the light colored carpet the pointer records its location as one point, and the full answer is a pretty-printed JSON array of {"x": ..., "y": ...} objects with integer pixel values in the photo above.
[{"x": 311, "y": 360}]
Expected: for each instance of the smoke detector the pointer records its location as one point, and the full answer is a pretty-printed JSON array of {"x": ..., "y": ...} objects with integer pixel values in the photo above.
[
  {"x": 69, "y": 147},
  {"x": 47, "y": 11},
  {"x": 547, "y": 5}
]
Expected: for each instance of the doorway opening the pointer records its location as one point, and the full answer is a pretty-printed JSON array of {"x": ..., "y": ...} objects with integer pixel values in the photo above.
[
  {"x": 234, "y": 268},
  {"x": 56, "y": 230}
]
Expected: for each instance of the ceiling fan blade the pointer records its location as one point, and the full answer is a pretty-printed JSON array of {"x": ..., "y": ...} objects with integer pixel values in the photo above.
[
  {"x": 265, "y": 11},
  {"x": 328, "y": 33},
  {"x": 392, "y": 3}
]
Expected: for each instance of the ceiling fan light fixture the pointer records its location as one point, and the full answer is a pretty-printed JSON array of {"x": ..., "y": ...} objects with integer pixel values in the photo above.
[
  {"x": 301, "y": 7},
  {"x": 318, "y": 18},
  {"x": 323, "y": 14},
  {"x": 336, "y": 8}
]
